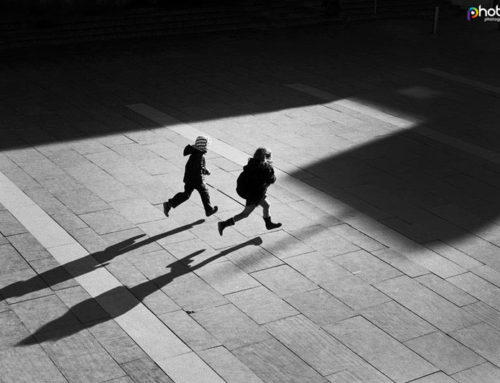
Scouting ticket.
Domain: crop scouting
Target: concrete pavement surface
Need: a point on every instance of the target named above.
(386, 145)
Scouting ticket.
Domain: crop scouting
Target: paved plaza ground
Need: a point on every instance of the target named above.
(386, 143)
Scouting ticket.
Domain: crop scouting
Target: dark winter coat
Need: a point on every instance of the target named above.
(255, 179)
(195, 166)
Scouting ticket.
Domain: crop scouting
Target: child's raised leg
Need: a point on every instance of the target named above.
(177, 199)
(265, 208)
(245, 213)
(238, 217)
(267, 219)
(205, 199)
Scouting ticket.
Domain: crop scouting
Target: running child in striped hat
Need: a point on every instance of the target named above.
(194, 178)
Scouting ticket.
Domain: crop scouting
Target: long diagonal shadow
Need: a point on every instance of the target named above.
(84, 265)
(120, 300)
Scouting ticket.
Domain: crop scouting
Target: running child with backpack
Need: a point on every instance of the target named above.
(252, 186)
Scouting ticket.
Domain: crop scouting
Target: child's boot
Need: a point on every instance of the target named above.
(223, 224)
(211, 212)
(271, 225)
(166, 207)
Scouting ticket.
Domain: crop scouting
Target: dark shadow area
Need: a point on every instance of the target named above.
(121, 299)
(84, 265)
(421, 188)
(58, 97)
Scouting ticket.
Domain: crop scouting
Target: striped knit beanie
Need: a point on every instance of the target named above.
(201, 143)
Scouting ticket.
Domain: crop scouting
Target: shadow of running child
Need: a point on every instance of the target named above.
(120, 300)
(83, 265)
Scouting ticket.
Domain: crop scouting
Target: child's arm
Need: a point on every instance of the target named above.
(271, 178)
(204, 170)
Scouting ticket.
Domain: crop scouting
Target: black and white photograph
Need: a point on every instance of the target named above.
(249, 191)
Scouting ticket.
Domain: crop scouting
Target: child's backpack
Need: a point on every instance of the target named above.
(242, 184)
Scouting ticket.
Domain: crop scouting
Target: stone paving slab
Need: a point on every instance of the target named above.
(273, 362)
(444, 352)
(69, 221)
(191, 293)
(226, 278)
(143, 370)
(476, 286)
(427, 304)
(116, 342)
(124, 379)
(486, 313)
(228, 366)
(13, 330)
(137, 210)
(397, 321)
(453, 255)
(112, 190)
(190, 368)
(400, 262)
(358, 238)
(313, 345)
(106, 221)
(321, 239)
(28, 247)
(261, 305)
(80, 358)
(366, 266)
(9, 225)
(10, 259)
(209, 235)
(89, 239)
(488, 273)
(361, 373)
(320, 307)
(355, 292)
(284, 281)
(486, 373)
(23, 364)
(318, 267)
(155, 191)
(158, 302)
(380, 350)
(23, 180)
(481, 338)
(314, 213)
(81, 201)
(167, 231)
(60, 184)
(250, 259)
(187, 329)
(230, 326)
(479, 249)
(446, 290)
(284, 245)
(437, 377)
